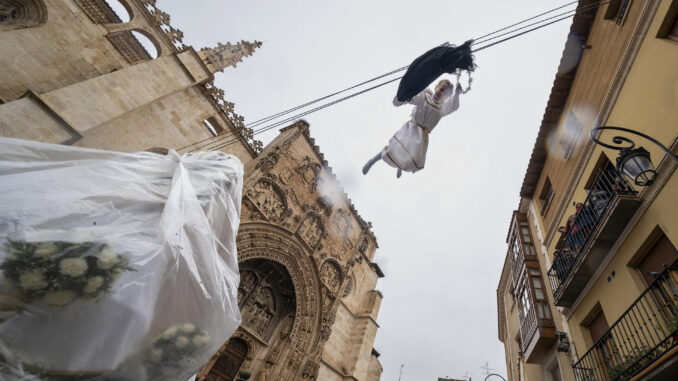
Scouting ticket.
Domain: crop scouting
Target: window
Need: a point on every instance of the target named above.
(661, 254)
(213, 126)
(669, 27)
(598, 327)
(546, 196)
(570, 135)
(541, 303)
(616, 10)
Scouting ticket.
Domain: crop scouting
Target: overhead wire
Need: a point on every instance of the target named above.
(218, 143)
(290, 110)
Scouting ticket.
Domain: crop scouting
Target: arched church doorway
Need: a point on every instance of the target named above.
(228, 365)
(267, 302)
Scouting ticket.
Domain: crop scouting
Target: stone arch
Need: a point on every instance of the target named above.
(273, 243)
(18, 14)
(118, 6)
(147, 41)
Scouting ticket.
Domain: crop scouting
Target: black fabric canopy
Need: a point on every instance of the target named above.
(430, 65)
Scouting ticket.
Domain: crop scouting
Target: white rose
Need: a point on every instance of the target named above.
(107, 259)
(156, 355)
(12, 254)
(93, 284)
(33, 280)
(73, 267)
(200, 341)
(46, 250)
(59, 298)
(188, 328)
(182, 342)
(169, 332)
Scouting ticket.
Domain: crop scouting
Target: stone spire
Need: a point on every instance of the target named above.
(223, 56)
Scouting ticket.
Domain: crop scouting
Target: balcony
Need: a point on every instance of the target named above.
(643, 342)
(537, 337)
(596, 227)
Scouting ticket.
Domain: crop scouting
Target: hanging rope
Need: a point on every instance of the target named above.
(220, 143)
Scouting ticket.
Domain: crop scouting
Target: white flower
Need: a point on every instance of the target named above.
(12, 254)
(169, 332)
(200, 341)
(73, 267)
(182, 342)
(59, 298)
(188, 328)
(93, 284)
(33, 280)
(156, 355)
(46, 250)
(107, 259)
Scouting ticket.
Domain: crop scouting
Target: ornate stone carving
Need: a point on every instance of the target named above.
(249, 212)
(330, 274)
(363, 246)
(348, 287)
(267, 163)
(309, 171)
(311, 231)
(270, 200)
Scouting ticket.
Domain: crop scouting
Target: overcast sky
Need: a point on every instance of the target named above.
(442, 230)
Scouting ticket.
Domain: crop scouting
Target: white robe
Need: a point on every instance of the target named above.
(407, 148)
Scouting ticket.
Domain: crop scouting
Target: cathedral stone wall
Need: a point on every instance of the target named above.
(67, 49)
(74, 75)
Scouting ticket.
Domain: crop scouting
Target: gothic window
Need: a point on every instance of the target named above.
(213, 126)
(135, 45)
(16, 14)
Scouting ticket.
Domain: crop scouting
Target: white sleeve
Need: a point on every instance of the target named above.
(451, 105)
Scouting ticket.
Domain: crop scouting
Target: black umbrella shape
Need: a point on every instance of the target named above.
(431, 65)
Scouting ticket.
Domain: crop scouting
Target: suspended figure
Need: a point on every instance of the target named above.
(406, 150)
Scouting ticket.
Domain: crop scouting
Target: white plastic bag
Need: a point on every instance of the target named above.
(115, 266)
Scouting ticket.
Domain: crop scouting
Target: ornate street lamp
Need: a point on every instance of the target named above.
(633, 162)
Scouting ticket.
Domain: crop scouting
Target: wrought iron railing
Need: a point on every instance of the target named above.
(606, 186)
(646, 331)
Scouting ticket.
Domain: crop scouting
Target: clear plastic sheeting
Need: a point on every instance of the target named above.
(115, 266)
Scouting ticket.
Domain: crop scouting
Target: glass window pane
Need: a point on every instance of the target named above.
(540, 294)
(536, 282)
(547, 311)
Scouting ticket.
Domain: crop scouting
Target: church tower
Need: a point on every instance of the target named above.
(223, 56)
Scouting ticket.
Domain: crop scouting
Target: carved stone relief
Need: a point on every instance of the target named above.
(269, 199)
(330, 274)
(311, 230)
(309, 171)
(341, 223)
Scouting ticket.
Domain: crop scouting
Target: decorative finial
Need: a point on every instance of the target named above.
(225, 55)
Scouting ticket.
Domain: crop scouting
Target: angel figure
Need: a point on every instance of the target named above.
(406, 150)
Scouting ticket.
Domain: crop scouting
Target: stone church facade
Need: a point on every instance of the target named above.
(76, 72)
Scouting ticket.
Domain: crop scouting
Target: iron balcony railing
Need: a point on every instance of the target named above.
(607, 185)
(646, 331)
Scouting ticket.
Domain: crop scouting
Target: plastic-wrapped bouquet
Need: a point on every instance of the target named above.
(57, 273)
(109, 251)
(177, 345)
